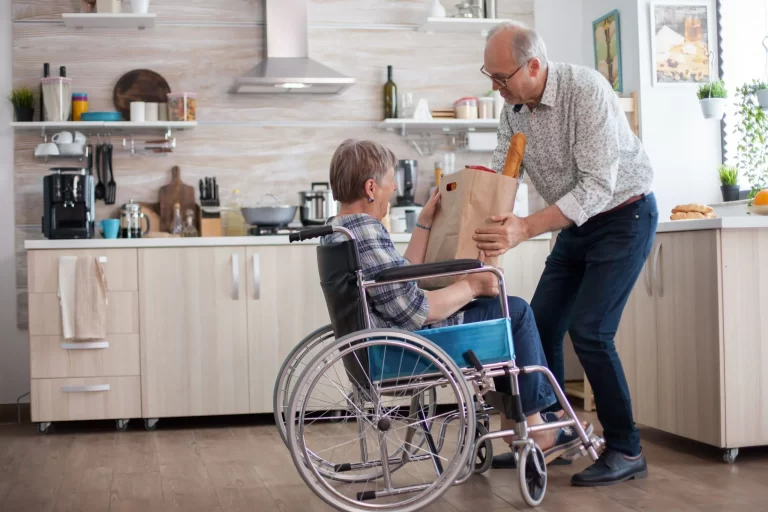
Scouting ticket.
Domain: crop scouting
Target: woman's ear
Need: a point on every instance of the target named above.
(370, 188)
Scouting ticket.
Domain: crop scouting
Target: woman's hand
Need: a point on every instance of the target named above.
(483, 284)
(427, 214)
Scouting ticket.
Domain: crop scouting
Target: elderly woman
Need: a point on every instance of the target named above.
(363, 181)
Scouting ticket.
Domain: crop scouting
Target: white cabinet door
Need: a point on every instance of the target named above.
(523, 267)
(194, 350)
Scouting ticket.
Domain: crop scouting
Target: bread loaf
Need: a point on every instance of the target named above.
(698, 208)
(692, 216)
(515, 155)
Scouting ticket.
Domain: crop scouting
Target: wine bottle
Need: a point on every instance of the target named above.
(390, 96)
(46, 74)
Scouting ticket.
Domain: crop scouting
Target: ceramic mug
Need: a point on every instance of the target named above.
(63, 138)
(150, 112)
(110, 227)
(137, 111)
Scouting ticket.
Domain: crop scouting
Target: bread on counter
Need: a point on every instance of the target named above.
(692, 211)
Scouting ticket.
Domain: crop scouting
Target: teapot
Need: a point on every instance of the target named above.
(130, 220)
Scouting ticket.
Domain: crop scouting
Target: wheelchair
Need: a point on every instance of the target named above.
(387, 419)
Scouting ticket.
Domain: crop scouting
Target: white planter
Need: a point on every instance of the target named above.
(713, 108)
(140, 6)
(762, 98)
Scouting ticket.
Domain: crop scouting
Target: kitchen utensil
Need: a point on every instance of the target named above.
(111, 186)
(139, 85)
(63, 138)
(101, 190)
(406, 176)
(73, 149)
(174, 192)
(317, 205)
(273, 215)
(110, 228)
(47, 149)
(150, 211)
(131, 221)
(102, 116)
(57, 98)
(138, 111)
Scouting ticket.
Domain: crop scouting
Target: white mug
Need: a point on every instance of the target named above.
(162, 111)
(63, 138)
(137, 111)
(150, 112)
(79, 138)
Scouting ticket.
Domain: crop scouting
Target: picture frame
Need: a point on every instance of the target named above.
(683, 33)
(606, 40)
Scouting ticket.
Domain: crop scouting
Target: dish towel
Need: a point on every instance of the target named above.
(83, 298)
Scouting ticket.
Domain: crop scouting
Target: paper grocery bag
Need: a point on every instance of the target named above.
(468, 198)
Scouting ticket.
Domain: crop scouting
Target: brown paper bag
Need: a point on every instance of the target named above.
(468, 198)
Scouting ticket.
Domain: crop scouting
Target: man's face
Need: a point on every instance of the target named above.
(514, 81)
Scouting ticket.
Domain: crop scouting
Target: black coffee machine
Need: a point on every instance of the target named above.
(68, 204)
(406, 176)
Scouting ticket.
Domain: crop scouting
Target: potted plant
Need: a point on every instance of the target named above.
(752, 150)
(729, 182)
(712, 98)
(761, 91)
(23, 101)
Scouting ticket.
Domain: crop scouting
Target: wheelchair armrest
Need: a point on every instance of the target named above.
(425, 270)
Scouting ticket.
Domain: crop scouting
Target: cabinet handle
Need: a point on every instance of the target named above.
(648, 282)
(88, 345)
(657, 272)
(85, 389)
(256, 277)
(235, 278)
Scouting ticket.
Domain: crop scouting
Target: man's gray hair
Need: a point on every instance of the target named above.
(526, 42)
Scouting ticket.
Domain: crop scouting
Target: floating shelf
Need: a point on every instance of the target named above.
(109, 20)
(107, 127)
(476, 25)
(440, 125)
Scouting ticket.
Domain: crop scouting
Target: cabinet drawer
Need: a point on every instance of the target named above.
(121, 268)
(95, 398)
(53, 357)
(45, 314)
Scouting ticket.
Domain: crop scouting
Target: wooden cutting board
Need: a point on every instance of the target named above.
(175, 192)
(150, 210)
(139, 85)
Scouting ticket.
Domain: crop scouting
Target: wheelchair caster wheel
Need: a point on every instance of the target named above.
(484, 457)
(532, 471)
(729, 456)
(150, 424)
(42, 428)
(121, 425)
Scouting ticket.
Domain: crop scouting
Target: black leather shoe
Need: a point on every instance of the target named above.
(611, 468)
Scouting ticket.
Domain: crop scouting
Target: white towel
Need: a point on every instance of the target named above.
(67, 278)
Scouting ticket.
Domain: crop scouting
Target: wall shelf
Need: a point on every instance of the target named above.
(106, 126)
(467, 25)
(109, 20)
(445, 126)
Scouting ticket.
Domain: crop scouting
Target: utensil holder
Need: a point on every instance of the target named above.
(210, 224)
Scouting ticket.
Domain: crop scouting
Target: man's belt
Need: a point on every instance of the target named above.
(628, 202)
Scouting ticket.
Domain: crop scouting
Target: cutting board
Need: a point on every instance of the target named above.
(175, 192)
(139, 85)
(150, 210)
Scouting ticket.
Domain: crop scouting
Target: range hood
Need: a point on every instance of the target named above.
(287, 67)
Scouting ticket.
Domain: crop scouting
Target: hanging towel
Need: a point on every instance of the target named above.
(90, 299)
(67, 278)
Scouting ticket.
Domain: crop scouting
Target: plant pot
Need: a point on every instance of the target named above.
(730, 192)
(24, 114)
(762, 98)
(713, 108)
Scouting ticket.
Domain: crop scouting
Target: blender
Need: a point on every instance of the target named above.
(404, 213)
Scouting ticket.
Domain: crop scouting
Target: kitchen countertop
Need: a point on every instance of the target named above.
(121, 243)
(728, 222)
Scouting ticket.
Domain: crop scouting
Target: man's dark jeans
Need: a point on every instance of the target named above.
(585, 285)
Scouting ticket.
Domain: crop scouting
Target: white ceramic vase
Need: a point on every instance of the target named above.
(713, 108)
(762, 98)
(140, 6)
(436, 10)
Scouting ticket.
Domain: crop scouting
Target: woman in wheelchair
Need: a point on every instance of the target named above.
(362, 177)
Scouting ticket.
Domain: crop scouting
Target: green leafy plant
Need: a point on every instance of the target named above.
(752, 151)
(22, 97)
(729, 175)
(712, 90)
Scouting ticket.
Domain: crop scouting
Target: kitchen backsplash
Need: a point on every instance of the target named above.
(258, 144)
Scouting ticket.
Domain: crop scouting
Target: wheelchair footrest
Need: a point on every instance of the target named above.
(508, 405)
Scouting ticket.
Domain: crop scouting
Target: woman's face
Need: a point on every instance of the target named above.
(383, 193)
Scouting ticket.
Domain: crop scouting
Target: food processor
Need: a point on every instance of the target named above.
(404, 213)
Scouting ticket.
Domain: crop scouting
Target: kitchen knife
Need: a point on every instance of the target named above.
(215, 190)
(202, 193)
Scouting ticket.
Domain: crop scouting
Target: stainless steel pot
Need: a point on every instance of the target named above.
(269, 216)
(317, 205)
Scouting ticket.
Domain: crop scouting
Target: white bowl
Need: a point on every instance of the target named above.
(759, 210)
(73, 149)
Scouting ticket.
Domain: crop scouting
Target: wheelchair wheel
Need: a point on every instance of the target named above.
(385, 476)
(484, 457)
(532, 471)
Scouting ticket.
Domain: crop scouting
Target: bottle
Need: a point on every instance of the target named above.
(62, 71)
(189, 228)
(46, 74)
(390, 96)
(234, 224)
(438, 172)
(176, 226)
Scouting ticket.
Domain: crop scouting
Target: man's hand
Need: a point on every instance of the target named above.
(496, 240)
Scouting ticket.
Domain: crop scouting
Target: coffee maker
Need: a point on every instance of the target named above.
(68, 204)
(404, 213)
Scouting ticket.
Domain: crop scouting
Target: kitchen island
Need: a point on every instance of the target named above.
(196, 326)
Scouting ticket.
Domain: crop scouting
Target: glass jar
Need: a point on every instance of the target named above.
(466, 108)
(79, 105)
(189, 228)
(182, 106)
(485, 107)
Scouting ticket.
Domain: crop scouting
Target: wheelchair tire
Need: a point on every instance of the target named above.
(444, 468)
(484, 457)
(532, 470)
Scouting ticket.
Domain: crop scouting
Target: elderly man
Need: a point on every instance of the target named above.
(590, 168)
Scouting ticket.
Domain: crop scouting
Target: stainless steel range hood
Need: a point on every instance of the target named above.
(287, 67)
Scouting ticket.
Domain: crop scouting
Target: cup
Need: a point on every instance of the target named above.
(151, 111)
(63, 138)
(110, 227)
(78, 138)
(137, 111)
(162, 111)
(47, 149)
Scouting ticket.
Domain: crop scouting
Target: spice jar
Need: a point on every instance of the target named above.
(79, 105)
(466, 108)
(182, 106)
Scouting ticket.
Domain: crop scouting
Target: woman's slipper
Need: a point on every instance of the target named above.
(567, 441)
(507, 460)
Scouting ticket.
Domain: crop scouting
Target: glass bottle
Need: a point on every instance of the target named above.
(176, 225)
(234, 223)
(390, 96)
(189, 229)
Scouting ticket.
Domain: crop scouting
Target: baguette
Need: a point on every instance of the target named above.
(698, 208)
(687, 216)
(515, 155)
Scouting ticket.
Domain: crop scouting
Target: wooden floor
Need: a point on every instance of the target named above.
(240, 464)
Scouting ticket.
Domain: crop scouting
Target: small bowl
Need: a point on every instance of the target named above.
(759, 210)
(73, 149)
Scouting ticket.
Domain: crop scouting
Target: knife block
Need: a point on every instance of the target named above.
(210, 223)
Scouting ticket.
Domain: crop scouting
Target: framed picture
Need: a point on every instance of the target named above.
(607, 39)
(681, 39)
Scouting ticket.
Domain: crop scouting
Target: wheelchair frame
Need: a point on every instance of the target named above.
(531, 464)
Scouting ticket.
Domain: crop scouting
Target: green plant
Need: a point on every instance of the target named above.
(752, 151)
(22, 97)
(729, 175)
(712, 90)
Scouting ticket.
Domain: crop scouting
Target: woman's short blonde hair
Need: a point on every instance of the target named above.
(354, 162)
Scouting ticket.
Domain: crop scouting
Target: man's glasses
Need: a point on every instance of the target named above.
(501, 81)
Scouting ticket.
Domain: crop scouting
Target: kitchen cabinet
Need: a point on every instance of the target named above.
(194, 341)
